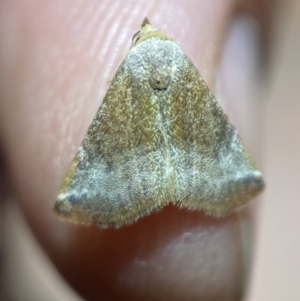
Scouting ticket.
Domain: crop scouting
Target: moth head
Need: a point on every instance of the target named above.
(147, 32)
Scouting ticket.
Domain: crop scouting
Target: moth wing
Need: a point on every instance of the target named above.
(112, 178)
(213, 170)
(149, 146)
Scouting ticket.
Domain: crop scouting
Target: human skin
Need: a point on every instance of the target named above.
(57, 59)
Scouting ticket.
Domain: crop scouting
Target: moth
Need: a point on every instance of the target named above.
(159, 137)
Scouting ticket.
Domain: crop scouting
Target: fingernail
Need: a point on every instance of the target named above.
(240, 80)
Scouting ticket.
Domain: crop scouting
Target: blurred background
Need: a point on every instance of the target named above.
(277, 265)
(276, 272)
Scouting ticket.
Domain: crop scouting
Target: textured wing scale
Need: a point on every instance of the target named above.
(158, 137)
